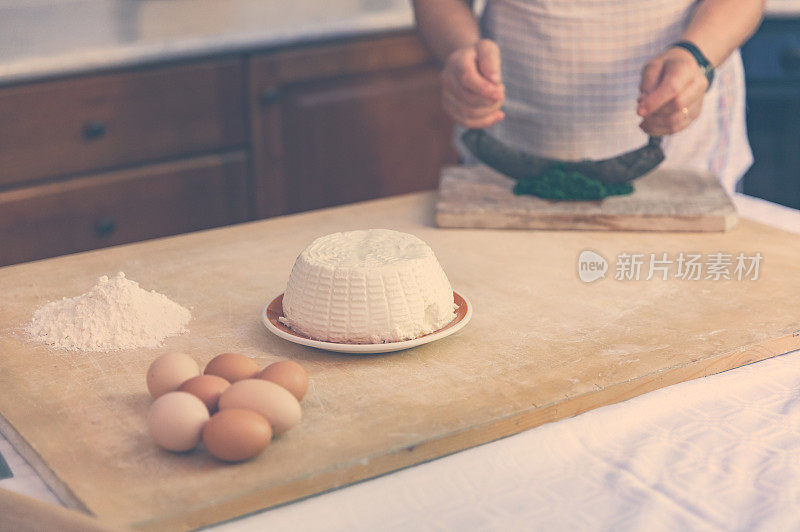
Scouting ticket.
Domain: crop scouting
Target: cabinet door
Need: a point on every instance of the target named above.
(119, 207)
(364, 137)
(345, 122)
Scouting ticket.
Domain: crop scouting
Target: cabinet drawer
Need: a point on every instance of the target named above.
(125, 206)
(98, 122)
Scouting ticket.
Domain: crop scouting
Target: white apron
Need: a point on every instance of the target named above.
(572, 70)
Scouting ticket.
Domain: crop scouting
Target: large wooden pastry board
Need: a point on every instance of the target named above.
(542, 345)
(664, 200)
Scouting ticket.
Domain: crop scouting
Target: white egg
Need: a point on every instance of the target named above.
(169, 371)
(176, 421)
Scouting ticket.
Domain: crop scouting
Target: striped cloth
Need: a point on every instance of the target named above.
(572, 70)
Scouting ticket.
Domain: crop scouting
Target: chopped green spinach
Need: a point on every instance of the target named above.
(556, 183)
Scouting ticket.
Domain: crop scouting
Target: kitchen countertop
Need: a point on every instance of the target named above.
(651, 459)
(50, 38)
(782, 8)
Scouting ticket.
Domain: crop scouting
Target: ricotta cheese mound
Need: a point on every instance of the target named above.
(370, 286)
(114, 314)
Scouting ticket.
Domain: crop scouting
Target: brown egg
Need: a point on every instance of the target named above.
(207, 388)
(176, 420)
(288, 374)
(232, 367)
(169, 371)
(236, 434)
(273, 402)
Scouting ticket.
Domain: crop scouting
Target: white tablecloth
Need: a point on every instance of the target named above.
(717, 453)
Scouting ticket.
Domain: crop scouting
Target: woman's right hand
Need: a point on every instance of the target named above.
(472, 89)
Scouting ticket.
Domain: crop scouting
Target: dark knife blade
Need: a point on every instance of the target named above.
(5, 470)
(518, 164)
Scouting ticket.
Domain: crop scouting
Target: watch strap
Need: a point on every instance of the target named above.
(702, 60)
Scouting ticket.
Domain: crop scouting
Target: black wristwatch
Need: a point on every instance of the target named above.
(702, 60)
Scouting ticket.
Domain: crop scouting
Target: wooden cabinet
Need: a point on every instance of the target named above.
(124, 206)
(359, 121)
(97, 122)
(110, 158)
(363, 137)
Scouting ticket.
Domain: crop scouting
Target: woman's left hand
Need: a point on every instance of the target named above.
(672, 91)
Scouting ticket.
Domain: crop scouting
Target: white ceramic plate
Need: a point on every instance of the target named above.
(272, 312)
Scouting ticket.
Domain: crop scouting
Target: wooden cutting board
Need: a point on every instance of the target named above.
(542, 345)
(664, 200)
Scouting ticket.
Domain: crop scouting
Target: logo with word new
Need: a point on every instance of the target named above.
(591, 266)
(685, 266)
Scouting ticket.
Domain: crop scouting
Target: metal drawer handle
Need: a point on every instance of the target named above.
(94, 130)
(105, 227)
(790, 60)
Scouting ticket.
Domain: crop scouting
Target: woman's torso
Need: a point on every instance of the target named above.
(572, 70)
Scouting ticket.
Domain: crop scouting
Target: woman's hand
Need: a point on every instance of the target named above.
(672, 91)
(472, 91)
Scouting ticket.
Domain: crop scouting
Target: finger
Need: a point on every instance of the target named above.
(480, 112)
(665, 125)
(469, 111)
(476, 123)
(687, 98)
(457, 114)
(674, 79)
(656, 127)
(468, 76)
(488, 56)
(674, 122)
(484, 123)
(467, 96)
(651, 73)
(668, 124)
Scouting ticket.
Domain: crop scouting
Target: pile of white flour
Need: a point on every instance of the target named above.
(115, 314)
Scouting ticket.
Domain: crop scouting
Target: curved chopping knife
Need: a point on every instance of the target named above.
(519, 164)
